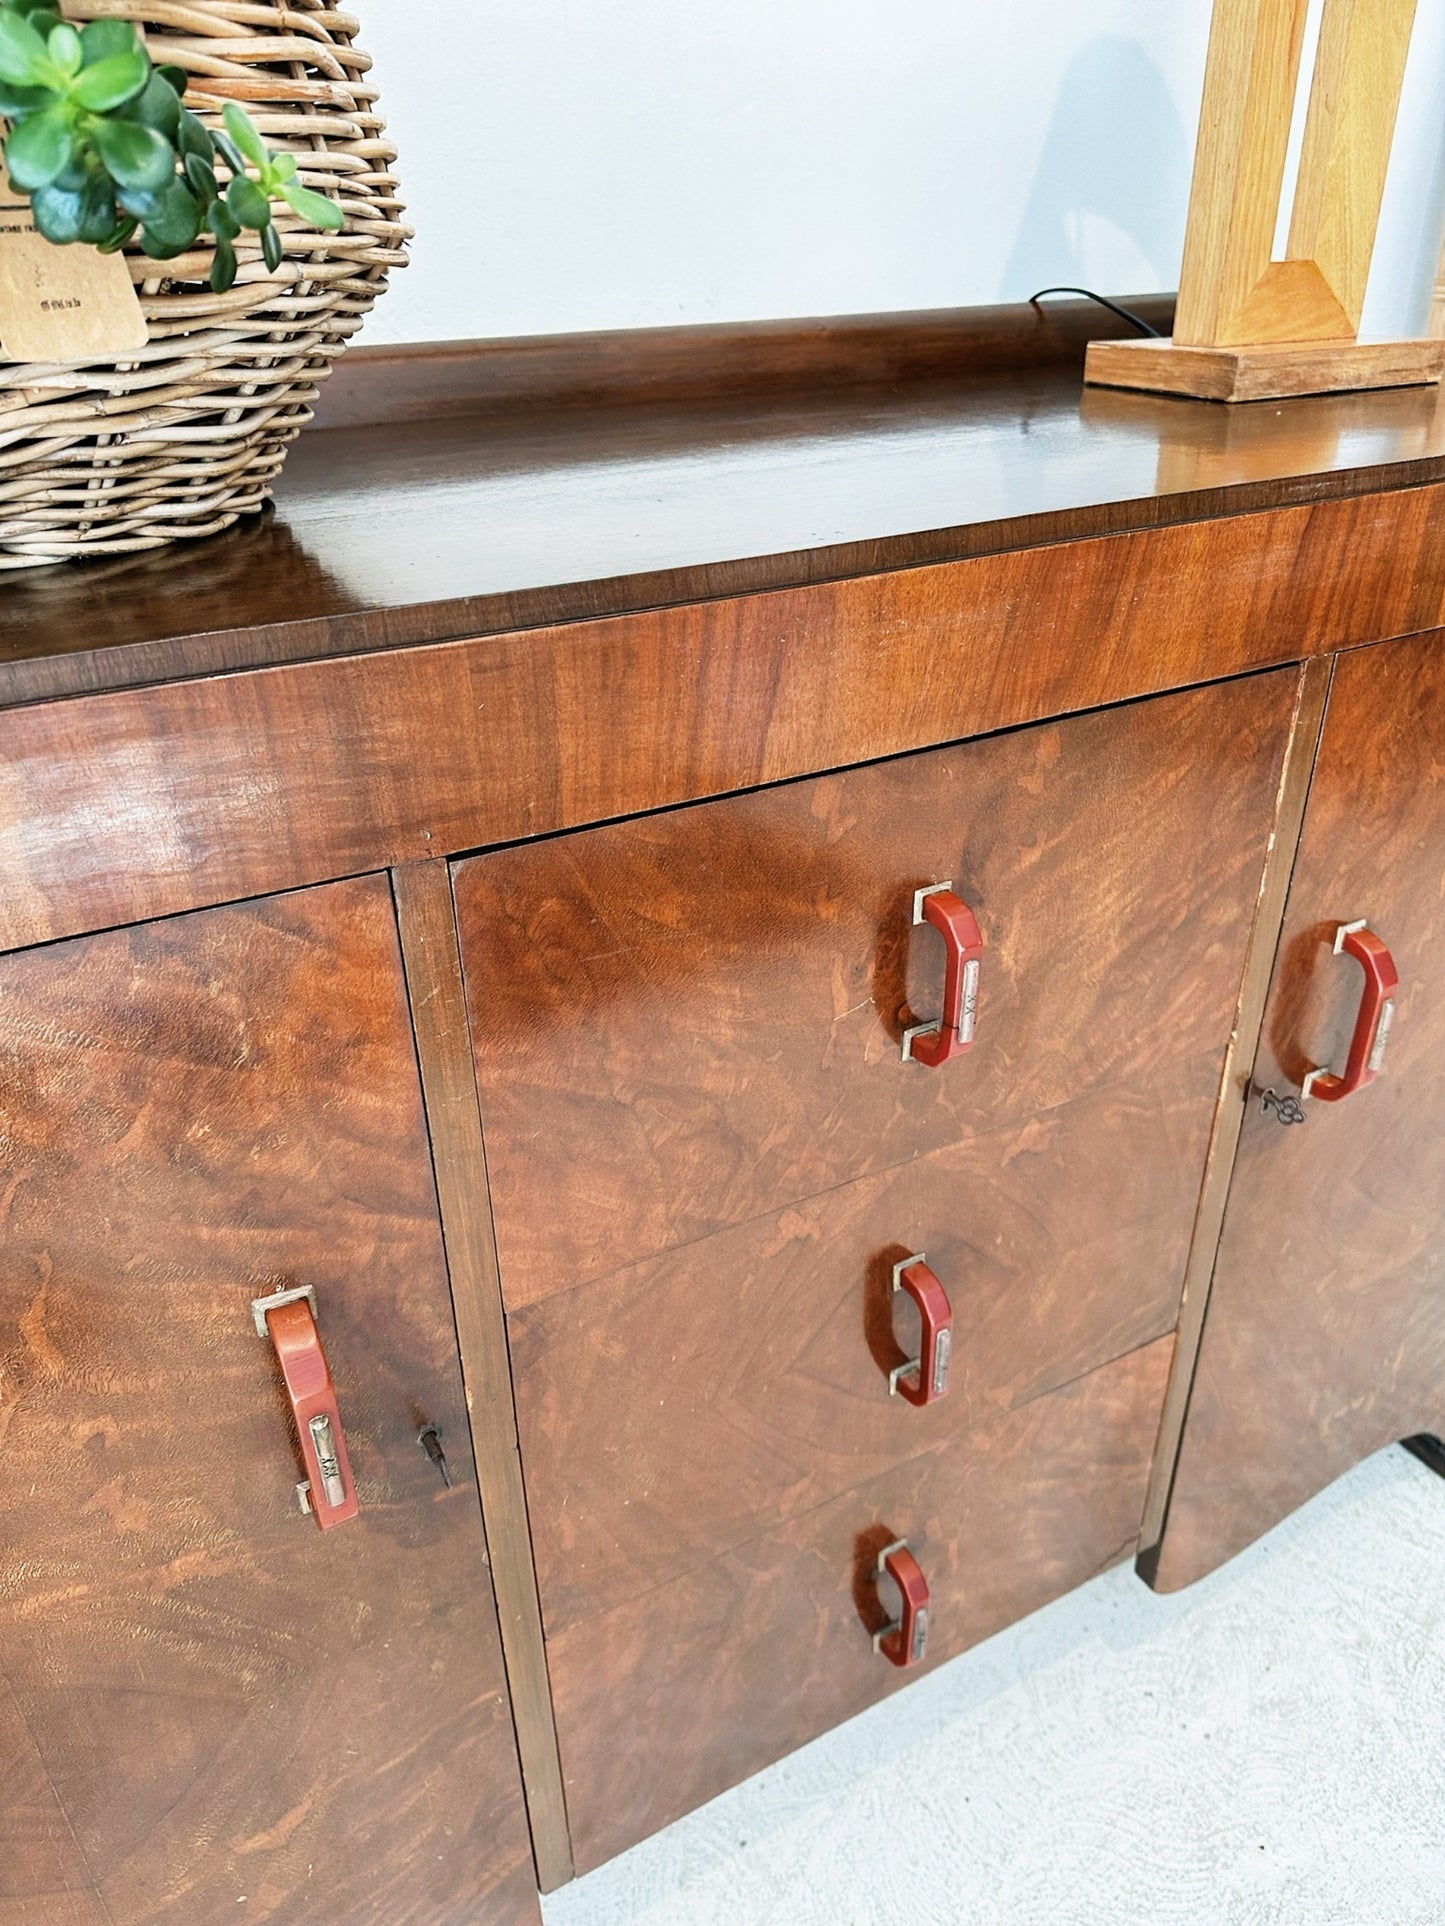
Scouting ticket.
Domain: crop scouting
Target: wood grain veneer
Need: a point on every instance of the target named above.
(666, 1701)
(1325, 1338)
(205, 1697)
(687, 1021)
(417, 532)
(674, 1410)
(144, 802)
(442, 379)
(434, 980)
(1234, 1085)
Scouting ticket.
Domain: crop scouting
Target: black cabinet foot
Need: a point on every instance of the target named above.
(1429, 1450)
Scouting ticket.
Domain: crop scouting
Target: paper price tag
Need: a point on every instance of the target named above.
(61, 303)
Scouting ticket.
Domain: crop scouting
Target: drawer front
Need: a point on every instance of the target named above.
(689, 1688)
(677, 1408)
(206, 1696)
(687, 1021)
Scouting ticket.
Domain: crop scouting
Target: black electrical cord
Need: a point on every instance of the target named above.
(1124, 314)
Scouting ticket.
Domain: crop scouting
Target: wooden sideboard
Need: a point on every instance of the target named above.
(468, 944)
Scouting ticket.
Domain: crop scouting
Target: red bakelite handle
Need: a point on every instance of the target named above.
(313, 1404)
(924, 1379)
(933, 1044)
(1372, 1020)
(905, 1642)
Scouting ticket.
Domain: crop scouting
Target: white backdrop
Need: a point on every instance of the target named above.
(580, 164)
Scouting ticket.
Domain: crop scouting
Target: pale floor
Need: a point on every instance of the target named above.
(1267, 1747)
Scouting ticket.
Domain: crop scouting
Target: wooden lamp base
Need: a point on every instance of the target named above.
(1263, 371)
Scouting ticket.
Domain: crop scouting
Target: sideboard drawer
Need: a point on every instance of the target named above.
(686, 1689)
(689, 1020)
(675, 1409)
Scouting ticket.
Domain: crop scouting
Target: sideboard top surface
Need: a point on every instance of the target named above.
(424, 530)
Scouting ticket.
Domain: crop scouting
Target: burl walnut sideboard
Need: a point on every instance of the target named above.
(667, 1052)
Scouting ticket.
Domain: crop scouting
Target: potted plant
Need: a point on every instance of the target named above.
(257, 236)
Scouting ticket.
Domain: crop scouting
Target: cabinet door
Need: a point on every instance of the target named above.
(1325, 1333)
(210, 1709)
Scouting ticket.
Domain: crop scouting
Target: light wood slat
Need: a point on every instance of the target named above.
(1231, 293)
(1349, 131)
(1250, 81)
(1265, 372)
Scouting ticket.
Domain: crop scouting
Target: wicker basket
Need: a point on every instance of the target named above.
(109, 457)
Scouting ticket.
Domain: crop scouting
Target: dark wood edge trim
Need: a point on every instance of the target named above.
(432, 956)
(423, 381)
(25, 681)
(1234, 1090)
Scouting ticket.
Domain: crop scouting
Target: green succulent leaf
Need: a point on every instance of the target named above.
(248, 203)
(313, 207)
(63, 46)
(175, 219)
(120, 234)
(40, 149)
(135, 156)
(223, 268)
(96, 135)
(242, 130)
(193, 138)
(23, 57)
(201, 178)
(229, 152)
(221, 221)
(97, 210)
(83, 167)
(156, 106)
(107, 40)
(17, 102)
(142, 202)
(110, 83)
(158, 247)
(58, 213)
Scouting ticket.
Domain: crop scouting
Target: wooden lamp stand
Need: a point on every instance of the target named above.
(1248, 327)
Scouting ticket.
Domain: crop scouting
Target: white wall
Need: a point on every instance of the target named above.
(580, 164)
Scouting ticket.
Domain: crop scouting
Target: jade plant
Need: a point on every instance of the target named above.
(104, 147)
